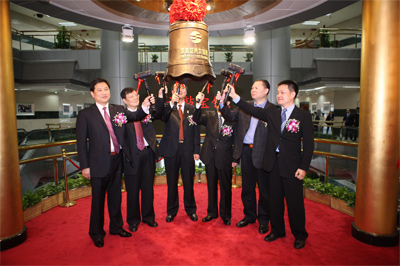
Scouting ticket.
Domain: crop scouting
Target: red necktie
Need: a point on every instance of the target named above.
(139, 135)
(181, 125)
(111, 130)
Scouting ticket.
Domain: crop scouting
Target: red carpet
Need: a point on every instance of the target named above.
(60, 237)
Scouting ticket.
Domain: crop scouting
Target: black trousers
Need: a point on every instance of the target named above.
(291, 189)
(111, 183)
(172, 166)
(225, 182)
(250, 177)
(139, 187)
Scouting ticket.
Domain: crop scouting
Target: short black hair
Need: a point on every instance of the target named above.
(265, 82)
(125, 91)
(292, 86)
(96, 81)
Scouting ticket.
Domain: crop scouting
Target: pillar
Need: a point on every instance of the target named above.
(12, 229)
(271, 53)
(377, 175)
(119, 63)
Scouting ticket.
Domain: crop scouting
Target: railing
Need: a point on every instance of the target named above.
(54, 157)
(322, 38)
(51, 39)
(338, 129)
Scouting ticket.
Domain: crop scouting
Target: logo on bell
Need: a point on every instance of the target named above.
(195, 37)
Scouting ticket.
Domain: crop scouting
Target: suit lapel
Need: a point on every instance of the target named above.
(97, 115)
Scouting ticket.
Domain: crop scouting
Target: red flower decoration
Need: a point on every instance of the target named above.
(189, 10)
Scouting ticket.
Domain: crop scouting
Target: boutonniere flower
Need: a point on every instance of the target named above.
(191, 121)
(293, 125)
(226, 130)
(265, 123)
(120, 119)
(147, 119)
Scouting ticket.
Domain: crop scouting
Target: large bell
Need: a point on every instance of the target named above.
(189, 54)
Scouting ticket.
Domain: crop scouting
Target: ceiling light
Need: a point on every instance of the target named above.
(210, 5)
(249, 35)
(67, 24)
(311, 23)
(168, 4)
(127, 33)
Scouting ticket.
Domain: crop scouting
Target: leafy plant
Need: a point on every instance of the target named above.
(30, 199)
(324, 38)
(248, 56)
(62, 39)
(229, 56)
(200, 170)
(154, 57)
(160, 171)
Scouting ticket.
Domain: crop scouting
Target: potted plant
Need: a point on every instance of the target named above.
(32, 205)
(248, 56)
(324, 39)
(154, 58)
(228, 56)
(62, 40)
(317, 191)
(51, 196)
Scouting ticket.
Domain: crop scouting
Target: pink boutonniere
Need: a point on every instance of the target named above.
(265, 123)
(120, 119)
(147, 119)
(226, 130)
(191, 121)
(293, 125)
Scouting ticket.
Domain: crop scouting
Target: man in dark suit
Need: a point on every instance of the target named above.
(104, 125)
(356, 123)
(216, 154)
(249, 147)
(348, 124)
(284, 160)
(139, 171)
(180, 146)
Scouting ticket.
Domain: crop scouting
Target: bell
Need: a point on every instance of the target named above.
(189, 54)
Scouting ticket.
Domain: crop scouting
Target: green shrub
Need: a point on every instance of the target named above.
(30, 199)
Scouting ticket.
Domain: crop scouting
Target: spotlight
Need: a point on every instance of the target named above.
(249, 35)
(168, 4)
(127, 33)
(210, 5)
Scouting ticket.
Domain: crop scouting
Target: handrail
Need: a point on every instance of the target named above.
(70, 142)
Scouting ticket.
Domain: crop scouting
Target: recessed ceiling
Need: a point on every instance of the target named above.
(150, 18)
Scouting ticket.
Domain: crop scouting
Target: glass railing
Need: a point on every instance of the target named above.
(331, 37)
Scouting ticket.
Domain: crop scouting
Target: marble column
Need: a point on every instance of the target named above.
(119, 63)
(12, 229)
(272, 58)
(377, 175)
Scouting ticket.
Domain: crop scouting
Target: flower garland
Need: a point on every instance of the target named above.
(191, 121)
(147, 119)
(293, 125)
(120, 119)
(226, 130)
(187, 10)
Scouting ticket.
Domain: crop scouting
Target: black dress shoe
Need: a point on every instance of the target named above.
(298, 243)
(193, 217)
(263, 229)
(133, 227)
(123, 233)
(170, 218)
(98, 242)
(243, 223)
(208, 218)
(271, 237)
(151, 223)
(227, 221)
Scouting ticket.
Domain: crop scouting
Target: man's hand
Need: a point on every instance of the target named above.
(86, 173)
(300, 174)
(160, 92)
(234, 164)
(146, 103)
(196, 157)
(175, 98)
(218, 97)
(233, 92)
(152, 99)
(199, 97)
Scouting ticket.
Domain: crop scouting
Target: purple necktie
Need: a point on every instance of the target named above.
(139, 136)
(111, 130)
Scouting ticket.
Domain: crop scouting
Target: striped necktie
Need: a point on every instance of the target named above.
(111, 130)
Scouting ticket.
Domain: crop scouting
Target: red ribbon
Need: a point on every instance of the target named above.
(73, 163)
(158, 79)
(138, 86)
(208, 87)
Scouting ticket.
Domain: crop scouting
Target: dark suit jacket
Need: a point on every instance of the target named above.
(90, 125)
(349, 120)
(215, 144)
(149, 134)
(290, 155)
(260, 135)
(169, 142)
